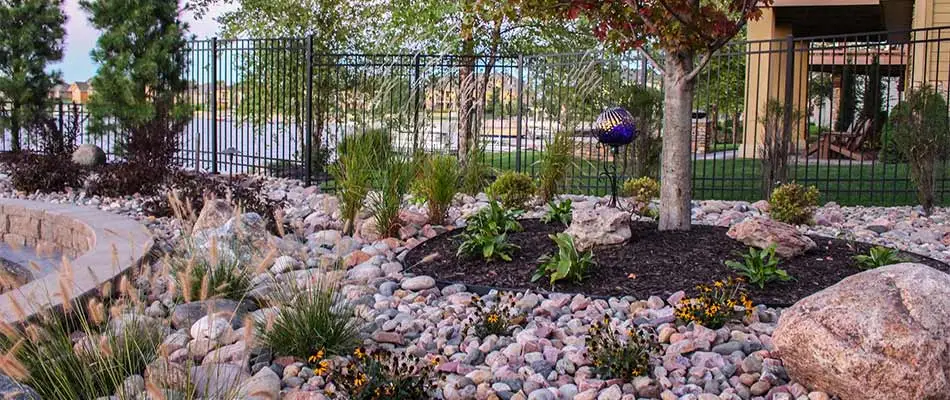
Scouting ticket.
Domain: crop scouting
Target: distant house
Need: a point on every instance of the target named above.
(200, 96)
(58, 91)
(79, 92)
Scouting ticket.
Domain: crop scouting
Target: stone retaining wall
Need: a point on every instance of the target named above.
(101, 246)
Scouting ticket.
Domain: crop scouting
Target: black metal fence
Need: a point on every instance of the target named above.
(271, 106)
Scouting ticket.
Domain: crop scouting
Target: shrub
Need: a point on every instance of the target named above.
(496, 319)
(642, 190)
(760, 267)
(921, 132)
(46, 355)
(554, 164)
(792, 203)
(437, 183)
(353, 175)
(476, 173)
(878, 256)
(380, 375)
(716, 304)
(393, 180)
(310, 319)
(559, 212)
(514, 189)
(32, 173)
(567, 263)
(620, 353)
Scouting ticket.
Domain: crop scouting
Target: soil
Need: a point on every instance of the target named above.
(650, 263)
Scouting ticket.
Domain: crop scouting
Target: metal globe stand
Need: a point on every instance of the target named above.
(614, 128)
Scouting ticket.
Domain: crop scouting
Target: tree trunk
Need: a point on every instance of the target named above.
(467, 86)
(15, 128)
(675, 191)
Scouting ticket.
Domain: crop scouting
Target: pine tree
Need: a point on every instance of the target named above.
(138, 87)
(31, 38)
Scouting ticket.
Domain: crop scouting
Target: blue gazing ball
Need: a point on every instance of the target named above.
(615, 127)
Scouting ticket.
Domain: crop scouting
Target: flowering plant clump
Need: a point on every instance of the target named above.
(376, 375)
(717, 304)
(496, 319)
(620, 354)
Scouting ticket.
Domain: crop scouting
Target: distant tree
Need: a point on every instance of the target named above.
(140, 78)
(31, 38)
(689, 32)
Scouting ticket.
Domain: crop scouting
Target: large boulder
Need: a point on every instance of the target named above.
(13, 275)
(763, 232)
(880, 334)
(214, 214)
(89, 155)
(13, 390)
(599, 226)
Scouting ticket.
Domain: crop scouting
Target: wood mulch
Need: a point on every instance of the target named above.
(650, 263)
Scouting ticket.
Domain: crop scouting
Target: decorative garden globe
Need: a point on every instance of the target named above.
(615, 127)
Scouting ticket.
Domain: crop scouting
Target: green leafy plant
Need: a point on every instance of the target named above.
(437, 183)
(642, 190)
(878, 256)
(559, 212)
(567, 263)
(921, 132)
(513, 189)
(496, 319)
(353, 175)
(792, 203)
(486, 233)
(393, 180)
(310, 319)
(716, 304)
(760, 267)
(554, 164)
(381, 375)
(618, 353)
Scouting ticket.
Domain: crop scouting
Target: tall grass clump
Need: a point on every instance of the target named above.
(310, 320)
(476, 173)
(353, 175)
(44, 355)
(200, 278)
(921, 132)
(438, 184)
(393, 180)
(554, 164)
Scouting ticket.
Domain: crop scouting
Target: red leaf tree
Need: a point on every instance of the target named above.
(688, 32)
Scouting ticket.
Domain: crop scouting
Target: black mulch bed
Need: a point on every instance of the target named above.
(651, 263)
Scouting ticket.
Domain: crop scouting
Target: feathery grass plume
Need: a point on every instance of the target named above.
(11, 366)
(279, 222)
(105, 290)
(9, 332)
(153, 391)
(205, 290)
(66, 294)
(115, 256)
(97, 312)
(266, 262)
(34, 266)
(199, 275)
(213, 251)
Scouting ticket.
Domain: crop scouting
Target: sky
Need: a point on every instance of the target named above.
(81, 37)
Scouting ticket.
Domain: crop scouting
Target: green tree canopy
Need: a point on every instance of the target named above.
(31, 38)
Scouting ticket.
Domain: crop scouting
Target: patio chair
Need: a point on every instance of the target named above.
(845, 144)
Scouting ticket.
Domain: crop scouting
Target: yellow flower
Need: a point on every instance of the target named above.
(359, 353)
(718, 284)
(492, 318)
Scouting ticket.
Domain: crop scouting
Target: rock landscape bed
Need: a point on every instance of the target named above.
(544, 357)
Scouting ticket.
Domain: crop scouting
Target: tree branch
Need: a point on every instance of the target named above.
(699, 67)
(646, 54)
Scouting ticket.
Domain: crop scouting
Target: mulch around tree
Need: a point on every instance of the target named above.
(650, 263)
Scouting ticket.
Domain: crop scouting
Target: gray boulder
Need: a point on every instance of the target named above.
(13, 390)
(89, 155)
(599, 226)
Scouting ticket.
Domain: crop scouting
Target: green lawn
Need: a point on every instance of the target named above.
(857, 184)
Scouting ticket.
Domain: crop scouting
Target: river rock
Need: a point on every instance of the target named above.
(763, 232)
(89, 155)
(13, 390)
(214, 214)
(880, 334)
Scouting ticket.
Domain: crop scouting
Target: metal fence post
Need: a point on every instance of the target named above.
(214, 106)
(789, 96)
(308, 125)
(519, 131)
(415, 101)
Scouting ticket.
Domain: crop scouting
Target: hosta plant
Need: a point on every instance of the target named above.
(494, 218)
(718, 303)
(566, 263)
(760, 267)
(558, 212)
(878, 256)
(489, 245)
(620, 353)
